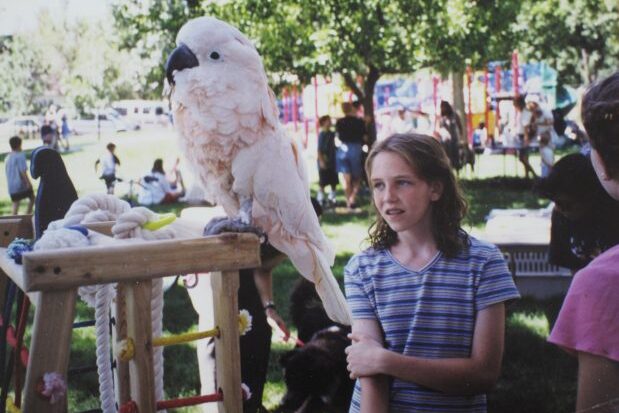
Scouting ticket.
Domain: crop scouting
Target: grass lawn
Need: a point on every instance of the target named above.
(537, 377)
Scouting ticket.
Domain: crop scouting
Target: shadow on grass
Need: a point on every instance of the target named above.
(483, 195)
(537, 376)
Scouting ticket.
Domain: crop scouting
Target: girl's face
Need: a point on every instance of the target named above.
(402, 198)
(610, 185)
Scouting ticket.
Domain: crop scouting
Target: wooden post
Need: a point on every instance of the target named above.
(122, 385)
(139, 329)
(227, 348)
(50, 347)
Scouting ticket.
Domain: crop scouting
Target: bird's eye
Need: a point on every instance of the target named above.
(214, 55)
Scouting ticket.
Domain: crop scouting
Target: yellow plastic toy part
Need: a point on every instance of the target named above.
(163, 220)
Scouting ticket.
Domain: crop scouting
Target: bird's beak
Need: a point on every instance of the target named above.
(181, 58)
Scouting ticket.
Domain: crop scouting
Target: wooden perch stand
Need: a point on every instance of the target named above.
(51, 278)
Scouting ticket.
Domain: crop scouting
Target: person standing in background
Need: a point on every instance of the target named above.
(17, 176)
(352, 134)
(327, 173)
(108, 162)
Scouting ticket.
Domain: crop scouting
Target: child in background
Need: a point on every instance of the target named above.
(480, 137)
(547, 155)
(108, 167)
(17, 176)
(427, 299)
(327, 173)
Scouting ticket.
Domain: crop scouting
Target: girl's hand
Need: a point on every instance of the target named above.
(363, 356)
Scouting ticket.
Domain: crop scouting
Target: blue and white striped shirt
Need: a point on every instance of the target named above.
(428, 313)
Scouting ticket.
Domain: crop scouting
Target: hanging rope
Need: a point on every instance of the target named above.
(140, 223)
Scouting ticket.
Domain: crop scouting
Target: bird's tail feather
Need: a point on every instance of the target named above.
(329, 291)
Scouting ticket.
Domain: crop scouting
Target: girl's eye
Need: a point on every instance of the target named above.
(215, 55)
(403, 183)
(378, 185)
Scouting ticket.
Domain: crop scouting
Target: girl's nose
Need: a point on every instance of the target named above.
(390, 193)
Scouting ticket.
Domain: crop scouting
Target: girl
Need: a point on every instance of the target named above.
(587, 325)
(156, 188)
(426, 298)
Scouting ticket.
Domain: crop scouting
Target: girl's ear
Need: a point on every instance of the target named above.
(436, 190)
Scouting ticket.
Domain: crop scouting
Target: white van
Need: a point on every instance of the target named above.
(144, 112)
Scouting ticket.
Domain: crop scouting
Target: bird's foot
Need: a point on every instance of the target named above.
(224, 224)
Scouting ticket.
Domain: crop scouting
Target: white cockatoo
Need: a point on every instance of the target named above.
(227, 120)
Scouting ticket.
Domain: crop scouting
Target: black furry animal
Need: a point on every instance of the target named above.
(315, 375)
(56, 191)
(307, 312)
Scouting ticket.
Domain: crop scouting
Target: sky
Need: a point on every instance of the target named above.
(21, 15)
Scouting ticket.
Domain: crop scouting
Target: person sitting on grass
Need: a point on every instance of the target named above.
(156, 188)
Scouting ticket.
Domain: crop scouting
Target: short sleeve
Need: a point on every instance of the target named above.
(496, 283)
(356, 295)
(589, 318)
(21, 164)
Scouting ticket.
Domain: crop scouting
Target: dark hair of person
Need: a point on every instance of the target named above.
(158, 166)
(519, 102)
(110, 146)
(428, 159)
(600, 115)
(323, 119)
(573, 176)
(15, 143)
(446, 109)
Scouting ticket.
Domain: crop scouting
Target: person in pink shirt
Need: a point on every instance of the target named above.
(588, 323)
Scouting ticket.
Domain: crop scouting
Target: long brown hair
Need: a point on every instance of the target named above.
(428, 159)
(600, 114)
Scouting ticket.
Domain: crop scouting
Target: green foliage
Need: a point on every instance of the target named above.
(460, 32)
(580, 38)
(22, 73)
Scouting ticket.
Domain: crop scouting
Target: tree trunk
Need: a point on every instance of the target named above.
(584, 67)
(457, 86)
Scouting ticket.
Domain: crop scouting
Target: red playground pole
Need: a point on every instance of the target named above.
(469, 113)
(316, 105)
(285, 105)
(497, 90)
(486, 111)
(435, 81)
(295, 106)
(515, 74)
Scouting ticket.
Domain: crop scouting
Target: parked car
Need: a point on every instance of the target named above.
(26, 127)
(106, 120)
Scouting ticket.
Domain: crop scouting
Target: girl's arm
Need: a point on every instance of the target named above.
(374, 388)
(598, 384)
(473, 375)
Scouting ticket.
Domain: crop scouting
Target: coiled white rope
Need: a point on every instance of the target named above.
(130, 223)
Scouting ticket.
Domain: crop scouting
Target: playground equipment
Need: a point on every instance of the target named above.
(50, 278)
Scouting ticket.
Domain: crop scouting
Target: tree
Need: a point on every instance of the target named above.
(580, 38)
(22, 73)
(467, 32)
(356, 38)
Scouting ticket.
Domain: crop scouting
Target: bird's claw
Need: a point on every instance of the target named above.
(224, 224)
